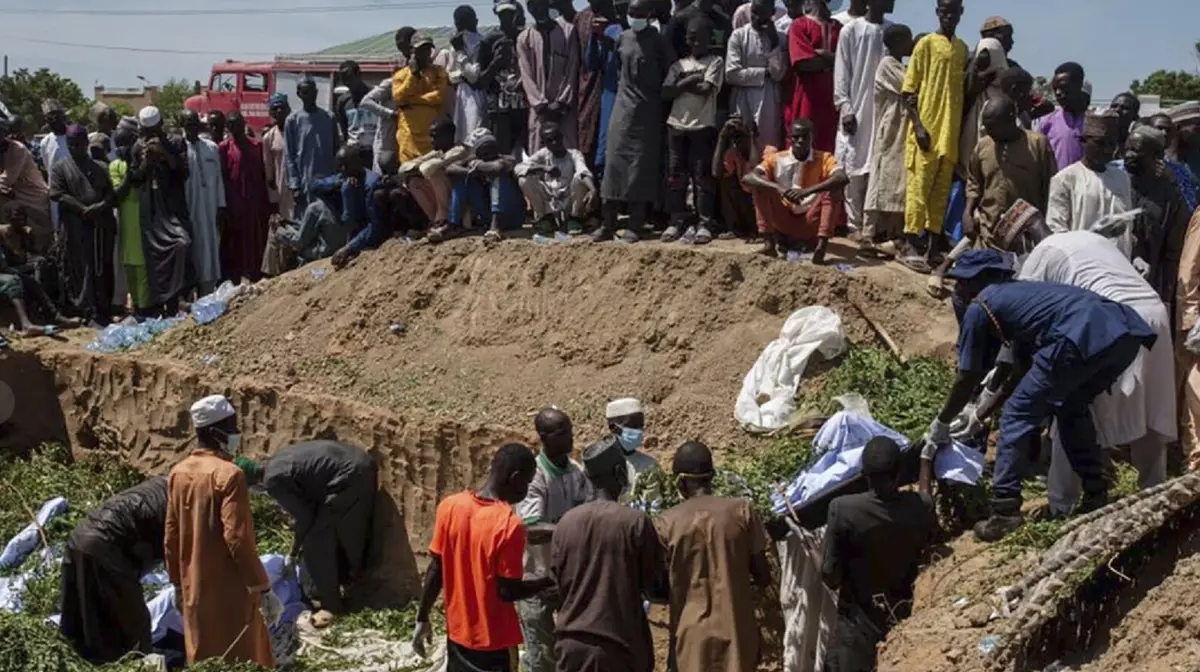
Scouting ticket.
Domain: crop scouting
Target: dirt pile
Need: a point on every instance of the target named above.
(490, 335)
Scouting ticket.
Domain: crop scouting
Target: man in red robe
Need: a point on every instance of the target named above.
(247, 206)
(812, 43)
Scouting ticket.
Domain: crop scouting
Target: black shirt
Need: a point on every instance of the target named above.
(304, 476)
(129, 528)
(873, 548)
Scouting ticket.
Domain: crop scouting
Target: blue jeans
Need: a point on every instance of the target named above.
(487, 196)
(1062, 384)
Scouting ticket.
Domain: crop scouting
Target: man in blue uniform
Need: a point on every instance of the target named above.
(1068, 345)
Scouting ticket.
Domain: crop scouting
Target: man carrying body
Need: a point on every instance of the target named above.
(933, 91)
(558, 185)
(548, 59)
(715, 547)
(1142, 417)
(1159, 230)
(692, 85)
(477, 556)
(755, 66)
(206, 202)
(604, 560)
(1068, 345)
(874, 545)
(884, 219)
(1064, 128)
(104, 610)
(418, 91)
(558, 486)
(310, 139)
(1084, 191)
(812, 49)
(328, 488)
(797, 194)
(221, 588)
(859, 53)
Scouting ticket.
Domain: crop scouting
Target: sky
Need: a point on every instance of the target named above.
(1114, 44)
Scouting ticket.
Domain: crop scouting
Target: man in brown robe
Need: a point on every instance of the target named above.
(548, 57)
(220, 584)
(714, 546)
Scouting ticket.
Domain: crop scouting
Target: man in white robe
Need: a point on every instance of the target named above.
(557, 183)
(884, 206)
(1091, 188)
(205, 190)
(468, 106)
(1142, 414)
(860, 49)
(54, 144)
(756, 64)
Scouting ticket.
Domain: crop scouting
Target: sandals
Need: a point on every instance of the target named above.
(917, 264)
(703, 236)
(670, 235)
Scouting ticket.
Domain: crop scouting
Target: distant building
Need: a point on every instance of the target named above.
(136, 98)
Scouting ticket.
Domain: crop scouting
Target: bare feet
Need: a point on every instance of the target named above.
(818, 257)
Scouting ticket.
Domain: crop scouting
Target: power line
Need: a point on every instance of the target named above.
(143, 50)
(217, 11)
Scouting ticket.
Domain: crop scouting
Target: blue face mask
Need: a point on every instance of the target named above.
(630, 439)
(554, 14)
(638, 25)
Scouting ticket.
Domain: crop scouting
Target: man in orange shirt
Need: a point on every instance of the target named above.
(482, 629)
(797, 194)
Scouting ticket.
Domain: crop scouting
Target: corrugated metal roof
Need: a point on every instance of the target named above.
(380, 47)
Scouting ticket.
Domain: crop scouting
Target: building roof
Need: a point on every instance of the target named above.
(380, 47)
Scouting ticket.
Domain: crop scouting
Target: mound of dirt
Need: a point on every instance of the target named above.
(490, 335)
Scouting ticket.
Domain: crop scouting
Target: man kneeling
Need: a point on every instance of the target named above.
(558, 185)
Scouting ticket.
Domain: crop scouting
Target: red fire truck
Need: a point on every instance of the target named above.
(245, 87)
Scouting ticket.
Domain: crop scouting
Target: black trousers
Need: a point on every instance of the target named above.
(689, 165)
(852, 648)
(461, 659)
(336, 546)
(104, 613)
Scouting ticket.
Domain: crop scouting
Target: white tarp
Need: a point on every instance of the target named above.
(777, 373)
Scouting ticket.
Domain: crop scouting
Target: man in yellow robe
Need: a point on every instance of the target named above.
(418, 90)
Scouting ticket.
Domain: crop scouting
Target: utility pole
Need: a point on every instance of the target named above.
(6, 64)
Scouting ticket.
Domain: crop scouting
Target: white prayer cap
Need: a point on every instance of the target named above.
(211, 410)
(149, 117)
(620, 408)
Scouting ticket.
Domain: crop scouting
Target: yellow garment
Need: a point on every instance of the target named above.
(1187, 365)
(418, 105)
(211, 555)
(928, 193)
(936, 73)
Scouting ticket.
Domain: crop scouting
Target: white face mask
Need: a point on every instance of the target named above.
(638, 25)
(554, 14)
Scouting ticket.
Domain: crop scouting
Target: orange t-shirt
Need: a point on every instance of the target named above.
(478, 540)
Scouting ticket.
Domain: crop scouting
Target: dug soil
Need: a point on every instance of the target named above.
(491, 335)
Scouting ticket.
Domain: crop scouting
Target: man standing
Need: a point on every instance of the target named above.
(216, 127)
(328, 488)
(857, 9)
(84, 192)
(548, 58)
(220, 584)
(633, 155)
(249, 210)
(693, 84)
(357, 125)
(875, 542)
(884, 206)
(162, 164)
(105, 119)
(1127, 107)
(22, 186)
(597, 78)
(1186, 148)
(1159, 230)
(719, 32)
(756, 64)
(812, 49)
(500, 77)
(558, 185)
(104, 611)
(859, 52)
(1183, 175)
(604, 560)
(933, 93)
(1070, 344)
(310, 139)
(418, 91)
(54, 144)
(206, 203)
(1084, 191)
(1141, 417)
(1187, 360)
(131, 254)
(1064, 128)
(1008, 165)
(714, 546)
(275, 155)
(381, 103)
(470, 105)
(626, 423)
(477, 556)
(797, 195)
(558, 486)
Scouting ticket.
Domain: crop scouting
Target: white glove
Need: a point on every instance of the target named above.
(271, 608)
(970, 429)
(929, 450)
(1141, 266)
(939, 432)
(422, 636)
(986, 397)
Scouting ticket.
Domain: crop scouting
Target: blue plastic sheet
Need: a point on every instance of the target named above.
(27, 540)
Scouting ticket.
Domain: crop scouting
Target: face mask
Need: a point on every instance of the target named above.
(232, 443)
(630, 440)
(554, 14)
(638, 25)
